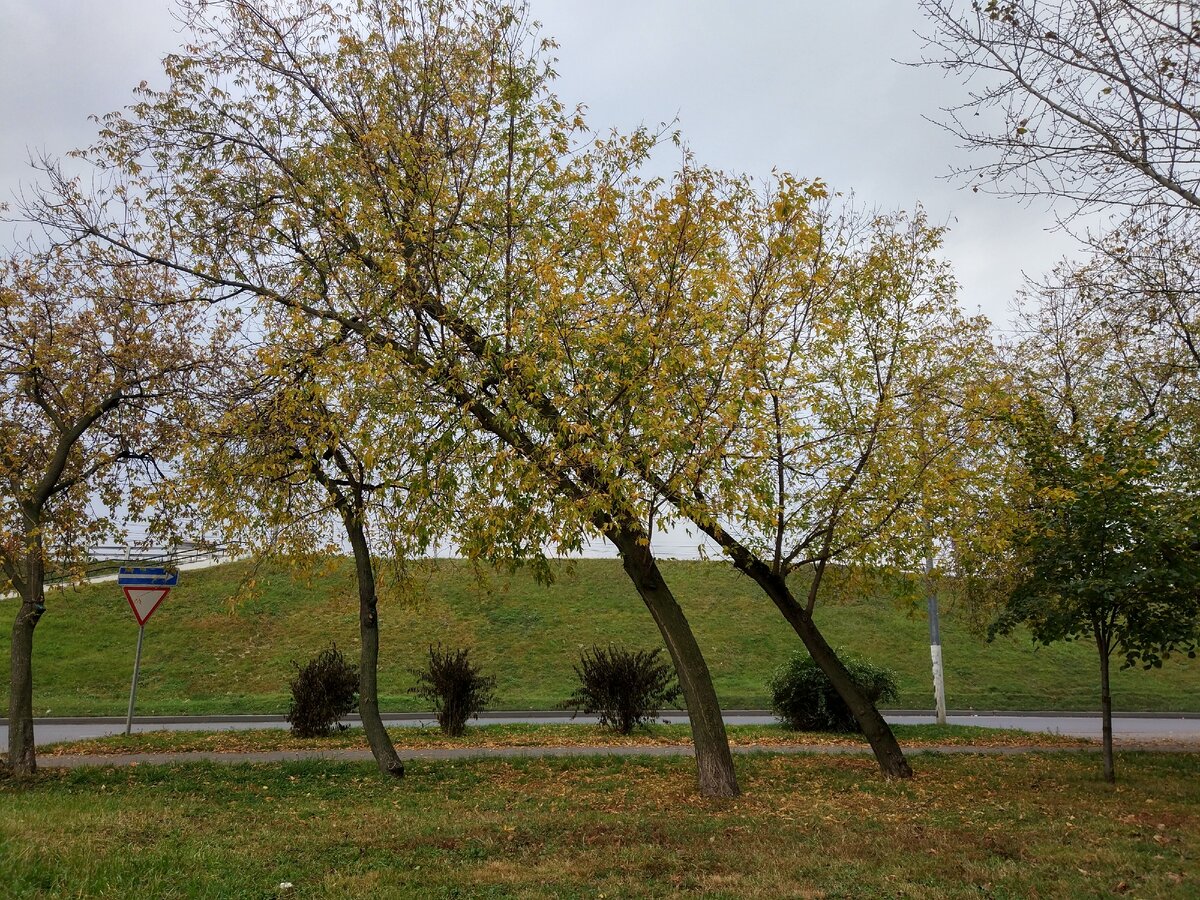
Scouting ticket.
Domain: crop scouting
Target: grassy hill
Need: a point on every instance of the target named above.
(205, 654)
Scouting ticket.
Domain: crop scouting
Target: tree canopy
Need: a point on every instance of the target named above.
(629, 349)
(99, 357)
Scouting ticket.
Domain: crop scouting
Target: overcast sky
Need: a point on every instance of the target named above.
(812, 88)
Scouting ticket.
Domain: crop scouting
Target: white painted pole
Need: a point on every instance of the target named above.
(137, 664)
(935, 644)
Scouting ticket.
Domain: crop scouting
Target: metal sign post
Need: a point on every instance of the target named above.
(935, 644)
(137, 665)
(145, 588)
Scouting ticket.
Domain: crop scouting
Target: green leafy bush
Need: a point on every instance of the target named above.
(626, 688)
(455, 687)
(323, 693)
(804, 699)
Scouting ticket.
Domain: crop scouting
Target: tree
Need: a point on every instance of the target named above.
(1107, 547)
(1100, 538)
(411, 158)
(1139, 286)
(294, 433)
(1099, 104)
(414, 159)
(96, 357)
(1096, 102)
(855, 341)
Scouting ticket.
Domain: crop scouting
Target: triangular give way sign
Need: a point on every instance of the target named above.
(144, 601)
(145, 588)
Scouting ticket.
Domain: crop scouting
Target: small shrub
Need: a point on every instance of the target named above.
(804, 699)
(457, 690)
(626, 688)
(323, 692)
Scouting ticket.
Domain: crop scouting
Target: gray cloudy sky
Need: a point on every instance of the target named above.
(808, 87)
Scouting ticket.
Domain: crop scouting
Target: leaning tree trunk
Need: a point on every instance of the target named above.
(714, 763)
(368, 668)
(22, 759)
(874, 727)
(1110, 774)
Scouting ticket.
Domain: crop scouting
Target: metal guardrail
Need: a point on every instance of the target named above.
(108, 559)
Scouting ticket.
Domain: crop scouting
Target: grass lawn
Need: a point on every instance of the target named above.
(1014, 827)
(205, 654)
(519, 735)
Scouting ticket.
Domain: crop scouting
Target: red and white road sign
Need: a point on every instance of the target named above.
(145, 600)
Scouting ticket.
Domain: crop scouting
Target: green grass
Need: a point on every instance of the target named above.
(1015, 827)
(205, 654)
(258, 740)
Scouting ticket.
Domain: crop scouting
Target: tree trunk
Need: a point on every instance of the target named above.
(368, 667)
(877, 731)
(22, 759)
(1110, 774)
(714, 763)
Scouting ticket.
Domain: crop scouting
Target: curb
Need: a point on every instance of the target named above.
(566, 715)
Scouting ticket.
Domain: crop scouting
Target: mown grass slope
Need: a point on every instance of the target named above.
(205, 653)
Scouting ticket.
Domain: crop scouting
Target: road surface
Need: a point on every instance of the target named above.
(1127, 727)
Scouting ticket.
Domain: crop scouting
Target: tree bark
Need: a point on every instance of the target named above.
(876, 730)
(1110, 774)
(714, 762)
(22, 758)
(386, 759)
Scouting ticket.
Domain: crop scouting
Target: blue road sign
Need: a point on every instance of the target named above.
(147, 576)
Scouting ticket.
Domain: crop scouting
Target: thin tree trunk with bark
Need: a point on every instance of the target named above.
(877, 731)
(22, 759)
(1102, 647)
(22, 756)
(874, 727)
(714, 762)
(386, 759)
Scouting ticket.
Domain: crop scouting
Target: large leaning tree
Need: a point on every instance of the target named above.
(97, 356)
(414, 150)
(514, 265)
(820, 428)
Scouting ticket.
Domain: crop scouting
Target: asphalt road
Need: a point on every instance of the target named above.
(1129, 727)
